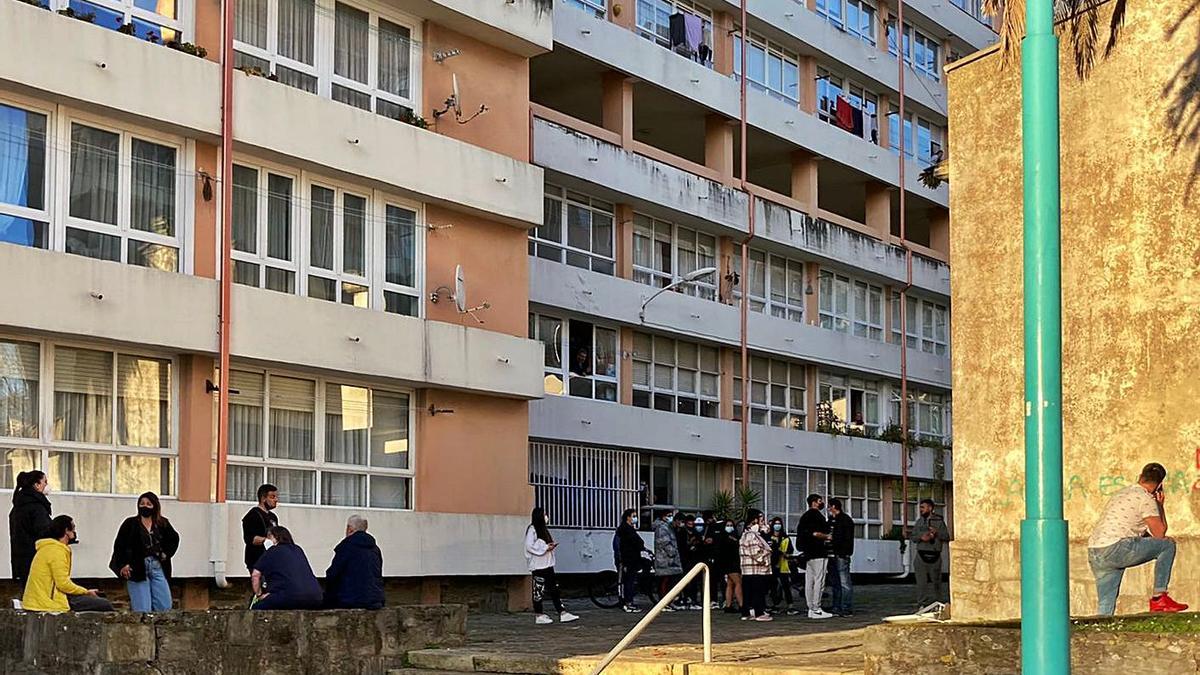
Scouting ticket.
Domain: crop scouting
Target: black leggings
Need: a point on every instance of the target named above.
(784, 579)
(545, 585)
(754, 592)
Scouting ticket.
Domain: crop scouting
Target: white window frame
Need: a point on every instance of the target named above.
(920, 403)
(770, 49)
(654, 388)
(847, 319)
(855, 492)
(922, 335)
(678, 6)
(262, 198)
(911, 37)
(318, 466)
(45, 443)
(560, 200)
(830, 85)
(827, 382)
(918, 490)
(562, 343)
(778, 393)
(840, 18)
(765, 302)
(50, 160)
(182, 24)
(798, 483)
(704, 287)
(596, 7)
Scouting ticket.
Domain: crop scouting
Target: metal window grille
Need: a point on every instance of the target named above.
(583, 487)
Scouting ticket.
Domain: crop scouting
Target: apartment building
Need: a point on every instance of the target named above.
(370, 204)
(636, 117)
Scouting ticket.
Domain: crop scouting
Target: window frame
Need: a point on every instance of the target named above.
(50, 161)
(791, 512)
(45, 442)
(656, 278)
(871, 527)
(597, 7)
(678, 7)
(318, 466)
(651, 509)
(912, 37)
(841, 21)
(828, 381)
(769, 49)
(790, 416)
(562, 203)
(930, 343)
(766, 303)
(563, 372)
(653, 389)
(183, 24)
(832, 318)
(918, 399)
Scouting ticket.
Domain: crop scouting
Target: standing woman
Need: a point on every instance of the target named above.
(142, 555)
(28, 521)
(756, 567)
(729, 564)
(539, 552)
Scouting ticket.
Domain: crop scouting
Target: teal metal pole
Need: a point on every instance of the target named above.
(1045, 601)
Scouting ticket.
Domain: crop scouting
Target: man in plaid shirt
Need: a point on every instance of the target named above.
(755, 555)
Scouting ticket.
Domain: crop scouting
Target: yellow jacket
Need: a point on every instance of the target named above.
(50, 578)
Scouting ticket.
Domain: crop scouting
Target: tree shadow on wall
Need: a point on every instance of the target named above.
(1183, 91)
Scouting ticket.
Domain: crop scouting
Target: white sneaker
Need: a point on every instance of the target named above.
(764, 617)
(567, 617)
(695, 607)
(819, 614)
(715, 605)
(542, 620)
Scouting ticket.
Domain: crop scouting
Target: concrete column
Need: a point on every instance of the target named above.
(883, 15)
(194, 595)
(728, 358)
(623, 14)
(205, 257)
(879, 208)
(881, 111)
(723, 42)
(617, 106)
(623, 216)
(804, 178)
(939, 230)
(520, 593)
(431, 591)
(718, 145)
(196, 428)
(808, 84)
(625, 367)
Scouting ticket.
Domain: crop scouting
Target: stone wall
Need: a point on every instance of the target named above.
(357, 642)
(1130, 262)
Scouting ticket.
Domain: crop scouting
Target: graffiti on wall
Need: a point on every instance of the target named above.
(1011, 489)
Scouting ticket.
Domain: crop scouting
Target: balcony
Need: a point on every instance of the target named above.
(517, 26)
(73, 295)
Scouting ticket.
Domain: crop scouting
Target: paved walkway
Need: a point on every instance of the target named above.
(790, 644)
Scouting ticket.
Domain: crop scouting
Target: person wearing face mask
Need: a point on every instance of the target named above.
(729, 566)
(49, 588)
(257, 521)
(755, 555)
(689, 554)
(629, 548)
(708, 555)
(812, 534)
(282, 577)
(781, 571)
(539, 553)
(667, 563)
(28, 520)
(142, 555)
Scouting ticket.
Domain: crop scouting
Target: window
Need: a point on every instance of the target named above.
(675, 376)
(830, 86)
(581, 486)
(920, 50)
(588, 239)
(776, 284)
(929, 137)
(319, 441)
(853, 16)
(777, 393)
(335, 49)
(158, 21)
(24, 211)
(927, 324)
(663, 253)
(596, 7)
(93, 420)
(862, 500)
(849, 405)
(654, 23)
(917, 490)
(785, 489)
(360, 246)
(592, 354)
(773, 68)
(675, 483)
(851, 305)
(928, 415)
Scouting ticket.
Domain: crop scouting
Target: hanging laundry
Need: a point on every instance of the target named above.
(873, 126)
(705, 55)
(856, 117)
(845, 117)
(678, 31)
(693, 32)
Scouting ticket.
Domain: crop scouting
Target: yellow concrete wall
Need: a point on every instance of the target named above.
(1131, 306)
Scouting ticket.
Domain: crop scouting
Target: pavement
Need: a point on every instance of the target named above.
(671, 645)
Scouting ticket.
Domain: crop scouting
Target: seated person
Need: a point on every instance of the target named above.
(49, 588)
(355, 578)
(282, 577)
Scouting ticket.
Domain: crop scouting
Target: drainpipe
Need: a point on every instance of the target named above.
(908, 279)
(1045, 597)
(745, 305)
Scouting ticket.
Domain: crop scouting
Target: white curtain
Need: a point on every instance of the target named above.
(351, 43)
(279, 217)
(320, 246)
(343, 489)
(94, 160)
(394, 57)
(83, 395)
(81, 471)
(296, 29)
(19, 388)
(144, 402)
(347, 424)
(389, 492)
(246, 415)
(250, 22)
(152, 192)
(291, 431)
(295, 487)
(241, 482)
(245, 208)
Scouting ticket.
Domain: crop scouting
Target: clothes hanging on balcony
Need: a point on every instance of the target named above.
(677, 31)
(705, 55)
(873, 129)
(856, 118)
(693, 31)
(845, 116)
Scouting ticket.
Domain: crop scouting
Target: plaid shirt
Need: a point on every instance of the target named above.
(755, 553)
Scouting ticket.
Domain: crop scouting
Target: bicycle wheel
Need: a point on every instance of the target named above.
(605, 589)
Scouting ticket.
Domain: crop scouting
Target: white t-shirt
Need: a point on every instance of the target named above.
(1124, 517)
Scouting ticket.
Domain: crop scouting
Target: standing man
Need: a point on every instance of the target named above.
(843, 549)
(812, 533)
(1132, 531)
(628, 546)
(257, 521)
(354, 579)
(928, 536)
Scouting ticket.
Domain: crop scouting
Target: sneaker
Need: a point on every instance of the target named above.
(765, 617)
(542, 620)
(669, 608)
(694, 607)
(819, 614)
(632, 609)
(567, 617)
(715, 605)
(793, 612)
(1164, 603)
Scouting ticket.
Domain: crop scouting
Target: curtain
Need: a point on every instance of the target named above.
(143, 402)
(19, 387)
(83, 395)
(296, 29)
(295, 487)
(343, 489)
(94, 159)
(250, 22)
(245, 208)
(400, 254)
(389, 430)
(291, 432)
(145, 473)
(241, 482)
(347, 424)
(22, 157)
(152, 191)
(81, 471)
(279, 217)
(320, 248)
(351, 43)
(246, 414)
(394, 54)
(354, 225)
(389, 492)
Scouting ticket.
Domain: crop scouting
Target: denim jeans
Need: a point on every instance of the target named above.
(839, 581)
(629, 584)
(1109, 565)
(153, 594)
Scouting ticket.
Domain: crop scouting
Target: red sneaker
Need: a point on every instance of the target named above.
(1164, 603)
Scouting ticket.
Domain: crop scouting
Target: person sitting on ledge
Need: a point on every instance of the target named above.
(50, 588)
(1133, 531)
(286, 574)
(355, 578)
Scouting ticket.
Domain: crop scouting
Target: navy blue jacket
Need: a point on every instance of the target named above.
(355, 578)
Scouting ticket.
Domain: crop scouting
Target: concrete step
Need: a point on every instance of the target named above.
(514, 663)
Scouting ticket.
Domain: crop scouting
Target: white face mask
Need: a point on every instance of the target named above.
(547, 521)
(46, 490)
(268, 544)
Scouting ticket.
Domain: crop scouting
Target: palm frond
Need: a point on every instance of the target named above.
(1080, 16)
(935, 174)
(1114, 26)
(1085, 29)
(1011, 16)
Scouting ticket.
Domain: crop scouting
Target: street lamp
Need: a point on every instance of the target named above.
(685, 279)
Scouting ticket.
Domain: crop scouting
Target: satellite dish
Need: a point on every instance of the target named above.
(460, 289)
(457, 97)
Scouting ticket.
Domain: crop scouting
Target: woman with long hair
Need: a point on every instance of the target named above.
(28, 521)
(539, 553)
(282, 577)
(142, 555)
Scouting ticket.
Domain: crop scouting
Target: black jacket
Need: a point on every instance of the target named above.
(729, 560)
(629, 546)
(27, 522)
(134, 544)
(843, 535)
(355, 578)
(812, 547)
(255, 523)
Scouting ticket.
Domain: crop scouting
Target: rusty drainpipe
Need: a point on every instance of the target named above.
(745, 305)
(908, 279)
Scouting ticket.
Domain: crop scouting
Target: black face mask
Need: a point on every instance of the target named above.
(74, 539)
(145, 511)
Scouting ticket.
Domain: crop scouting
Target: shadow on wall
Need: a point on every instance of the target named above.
(1183, 116)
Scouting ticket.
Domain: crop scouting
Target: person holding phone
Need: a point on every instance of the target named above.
(1132, 531)
(539, 553)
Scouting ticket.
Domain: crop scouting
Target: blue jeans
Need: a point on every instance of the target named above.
(153, 594)
(1109, 565)
(629, 581)
(839, 581)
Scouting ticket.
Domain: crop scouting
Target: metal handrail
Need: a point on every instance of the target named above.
(657, 609)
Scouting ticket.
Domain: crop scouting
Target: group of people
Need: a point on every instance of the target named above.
(280, 574)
